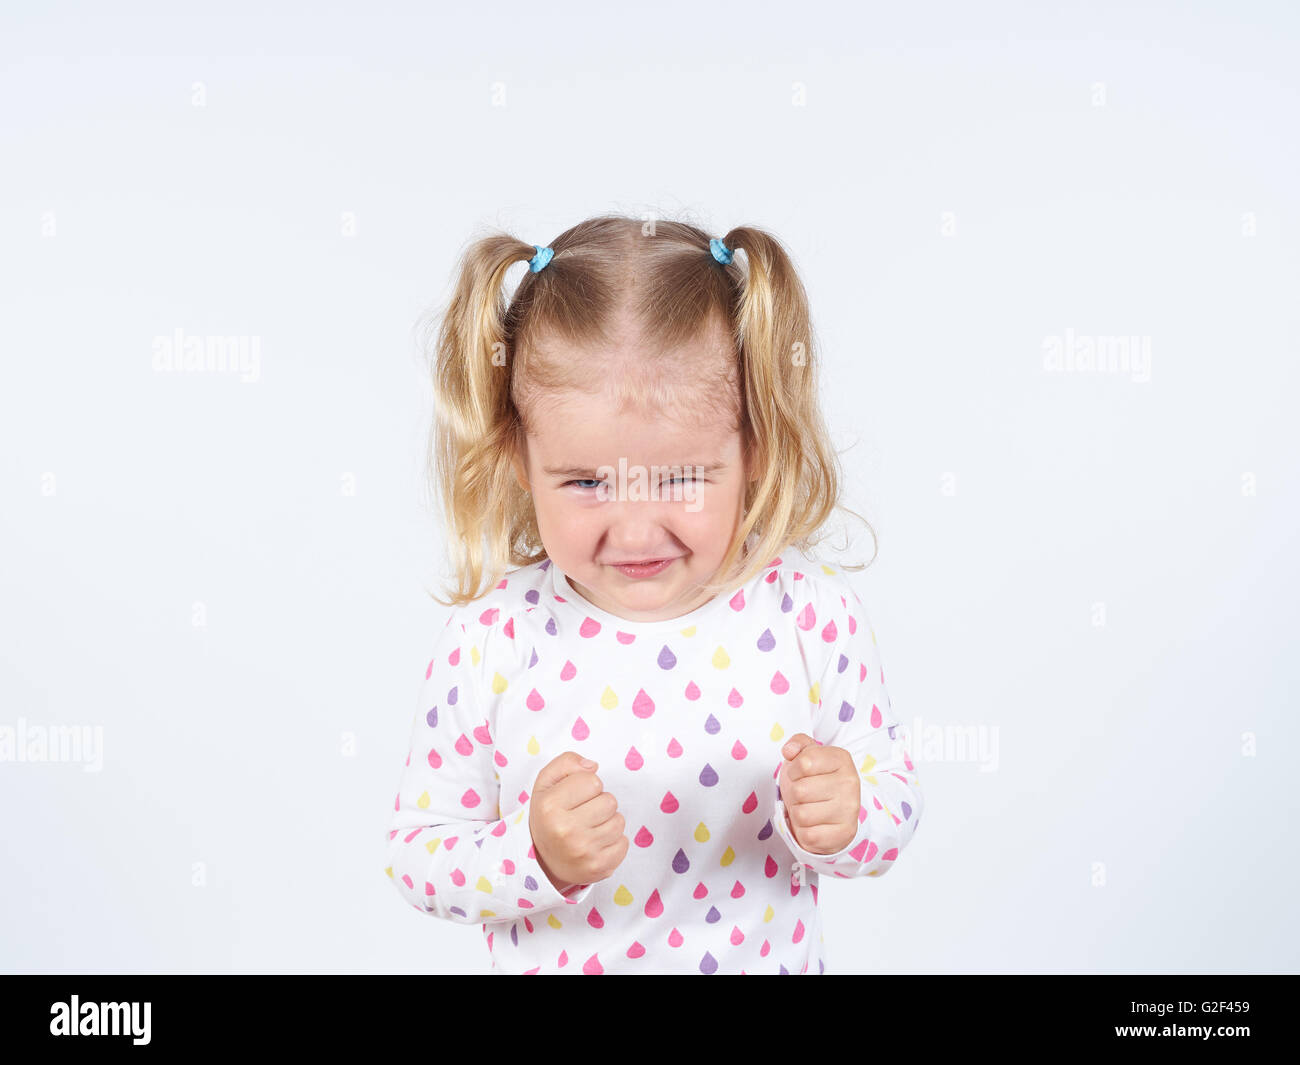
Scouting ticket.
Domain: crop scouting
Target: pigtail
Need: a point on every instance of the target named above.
(474, 429)
(800, 475)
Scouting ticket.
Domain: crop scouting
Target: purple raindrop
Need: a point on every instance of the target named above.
(767, 641)
(666, 658)
(712, 726)
(680, 862)
(708, 775)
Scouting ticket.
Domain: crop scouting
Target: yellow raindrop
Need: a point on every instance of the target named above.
(720, 658)
(554, 921)
(768, 914)
(689, 631)
(484, 884)
(423, 801)
(702, 834)
(728, 856)
(608, 699)
(868, 762)
(815, 693)
(499, 684)
(474, 656)
(777, 732)
(533, 745)
(622, 896)
(432, 845)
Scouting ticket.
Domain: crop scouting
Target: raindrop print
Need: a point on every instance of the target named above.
(713, 916)
(907, 810)
(787, 604)
(483, 735)
(846, 711)
(737, 890)
(551, 628)
(763, 950)
(767, 641)
(530, 884)
(435, 759)
(531, 596)
(595, 919)
(738, 600)
(563, 959)
(514, 935)
(734, 698)
(580, 730)
(452, 659)
(642, 704)
(737, 936)
(830, 632)
(633, 760)
(770, 868)
(798, 931)
(622, 896)
(700, 890)
(488, 616)
(702, 833)
(807, 617)
(843, 664)
(608, 699)
(674, 748)
(453, 696)
(463, 746)
(779, 684)
(680, 861)
(712, 725)
(666, 658)
(635, 950)
(766, 830)
(643, 837)
(721, 660)
(432, 717)
(624, 638)
(470, 799)
(669, 803)
(654, 906)
(675, 939)
(708, 963)
(876, 719)
(708, 775)
(692, 691)
(534, 700)
(588, 628)
(569, 671)
(750, 804)
(738, 750)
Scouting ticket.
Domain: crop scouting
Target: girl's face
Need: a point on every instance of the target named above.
(611, 488)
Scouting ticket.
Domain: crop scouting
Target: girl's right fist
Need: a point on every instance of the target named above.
(575, 824)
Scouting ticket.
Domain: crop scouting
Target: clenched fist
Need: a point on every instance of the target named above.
(821, 794)
(576, 827)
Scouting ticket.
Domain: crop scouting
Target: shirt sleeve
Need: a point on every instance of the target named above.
(854, 712)
(451, 850)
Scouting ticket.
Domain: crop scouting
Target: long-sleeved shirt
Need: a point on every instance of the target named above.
(686, 719)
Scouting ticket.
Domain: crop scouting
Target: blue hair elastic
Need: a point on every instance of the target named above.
(720, 251)
(539, 260)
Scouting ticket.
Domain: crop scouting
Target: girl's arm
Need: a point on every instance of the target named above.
(854, 713)
(452, 851)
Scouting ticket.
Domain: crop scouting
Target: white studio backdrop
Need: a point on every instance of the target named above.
(1086, 593)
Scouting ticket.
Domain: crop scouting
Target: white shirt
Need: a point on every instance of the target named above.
(686, 719)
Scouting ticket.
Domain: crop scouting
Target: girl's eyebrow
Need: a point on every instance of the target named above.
(588, 472)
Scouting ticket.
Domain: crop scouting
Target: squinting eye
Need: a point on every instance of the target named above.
(588, 480)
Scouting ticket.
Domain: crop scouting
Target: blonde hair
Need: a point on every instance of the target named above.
(491, 364)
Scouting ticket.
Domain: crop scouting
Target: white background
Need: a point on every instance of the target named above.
(957, 183)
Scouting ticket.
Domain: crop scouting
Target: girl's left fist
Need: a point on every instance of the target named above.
(822, 794)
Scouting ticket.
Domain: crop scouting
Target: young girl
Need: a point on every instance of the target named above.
(637, 750)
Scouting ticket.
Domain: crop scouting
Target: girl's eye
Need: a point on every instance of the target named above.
(582, 481)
